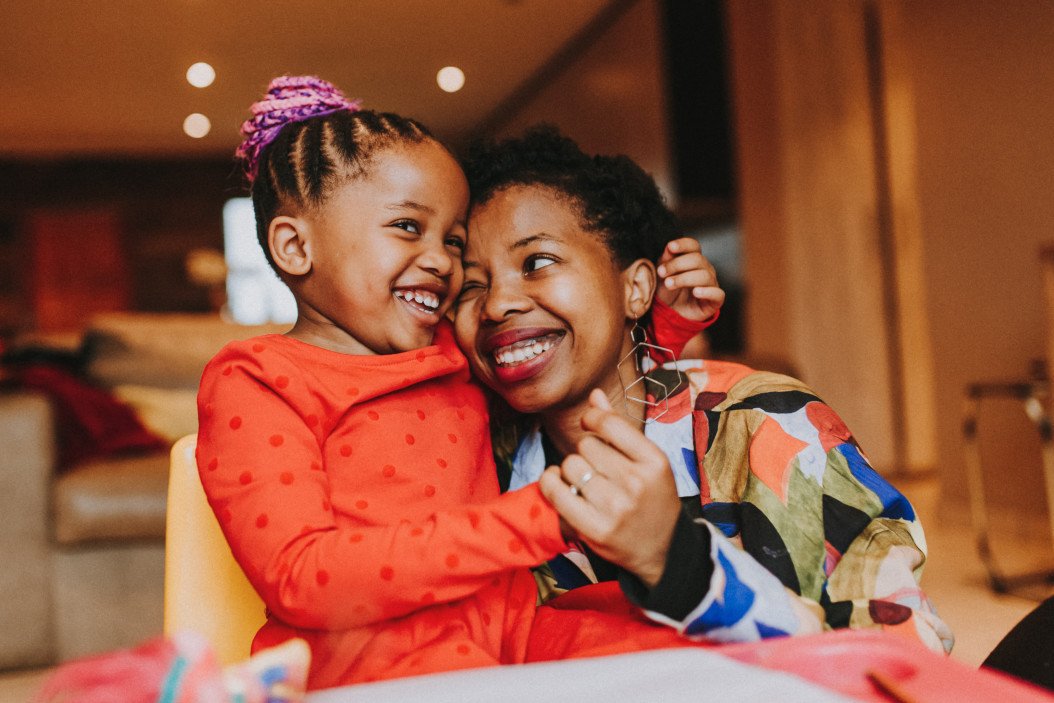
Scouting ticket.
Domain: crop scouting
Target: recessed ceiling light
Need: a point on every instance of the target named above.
(450, 78)
(196, 125)
(201, 75)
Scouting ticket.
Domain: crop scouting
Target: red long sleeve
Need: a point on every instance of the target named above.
(672, 330)
(355, 490)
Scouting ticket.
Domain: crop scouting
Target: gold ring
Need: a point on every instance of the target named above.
(576, 488)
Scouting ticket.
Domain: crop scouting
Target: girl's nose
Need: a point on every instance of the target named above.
(437, 260)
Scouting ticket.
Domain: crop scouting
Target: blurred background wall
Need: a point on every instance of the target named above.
(881, 167)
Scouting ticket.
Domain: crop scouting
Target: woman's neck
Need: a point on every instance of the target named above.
(563, 426)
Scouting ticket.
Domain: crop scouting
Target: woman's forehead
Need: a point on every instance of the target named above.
(519, 212)
(501, 239)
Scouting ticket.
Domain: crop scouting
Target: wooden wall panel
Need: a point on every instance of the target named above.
(79, 267)
(147, 214)
(809, 204)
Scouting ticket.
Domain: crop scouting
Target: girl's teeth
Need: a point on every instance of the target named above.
(426, 299)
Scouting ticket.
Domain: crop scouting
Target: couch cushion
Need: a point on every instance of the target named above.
(26, 633)
(167, 412)
(163, 350)
(115, 498)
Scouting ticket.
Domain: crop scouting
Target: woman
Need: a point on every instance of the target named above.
(735, 509)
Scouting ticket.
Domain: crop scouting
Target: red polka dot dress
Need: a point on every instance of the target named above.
(359, 495)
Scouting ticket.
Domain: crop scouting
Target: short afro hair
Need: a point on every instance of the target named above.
(615, 197)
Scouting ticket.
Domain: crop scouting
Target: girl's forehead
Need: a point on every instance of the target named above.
(425, 164)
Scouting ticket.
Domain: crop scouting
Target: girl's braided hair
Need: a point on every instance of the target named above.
(304, 138)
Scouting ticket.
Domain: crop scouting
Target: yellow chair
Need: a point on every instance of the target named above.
(205, 589)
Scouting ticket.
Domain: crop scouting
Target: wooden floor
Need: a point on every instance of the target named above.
(954, 580)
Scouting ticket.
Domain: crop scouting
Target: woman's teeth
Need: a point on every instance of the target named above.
(422, 298)
(524, 350)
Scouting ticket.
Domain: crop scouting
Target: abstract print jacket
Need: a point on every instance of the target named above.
(785, 527)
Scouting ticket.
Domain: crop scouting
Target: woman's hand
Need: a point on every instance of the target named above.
(617, 492)
(689, 281)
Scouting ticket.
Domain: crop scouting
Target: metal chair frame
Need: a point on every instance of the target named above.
(1034, 396)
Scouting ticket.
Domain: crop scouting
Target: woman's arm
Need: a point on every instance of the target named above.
(273, 502)
(618, 493)
(707, 585)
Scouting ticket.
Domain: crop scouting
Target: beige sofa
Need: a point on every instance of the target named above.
(83, 551)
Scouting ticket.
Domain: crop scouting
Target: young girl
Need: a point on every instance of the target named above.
(348, 461)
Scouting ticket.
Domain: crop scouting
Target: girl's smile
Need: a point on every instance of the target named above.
(425, 301)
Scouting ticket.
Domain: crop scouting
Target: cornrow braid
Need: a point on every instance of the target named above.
(304, 139)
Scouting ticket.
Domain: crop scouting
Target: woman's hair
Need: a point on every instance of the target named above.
(614, 196)
(304, 138)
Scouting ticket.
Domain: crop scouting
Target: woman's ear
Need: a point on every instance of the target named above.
(286, 238)
(639, 278)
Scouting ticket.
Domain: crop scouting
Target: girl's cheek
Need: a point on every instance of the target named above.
(464, 326)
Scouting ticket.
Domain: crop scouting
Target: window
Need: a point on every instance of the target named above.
(255, 295)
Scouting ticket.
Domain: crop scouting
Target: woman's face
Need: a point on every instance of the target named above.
(542, 315)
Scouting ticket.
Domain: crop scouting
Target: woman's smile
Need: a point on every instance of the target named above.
(519, 354)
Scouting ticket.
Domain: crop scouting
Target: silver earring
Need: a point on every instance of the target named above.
(656, 393)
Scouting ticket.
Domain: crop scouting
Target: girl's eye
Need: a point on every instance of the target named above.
(456, 242)
(408, 225)
(537, 262)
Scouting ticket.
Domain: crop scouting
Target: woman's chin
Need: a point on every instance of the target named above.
(523, 398)
(526, 406)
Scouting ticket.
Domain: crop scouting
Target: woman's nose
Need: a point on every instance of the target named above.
(505, 297)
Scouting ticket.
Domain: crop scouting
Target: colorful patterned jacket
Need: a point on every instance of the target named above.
(785, 527)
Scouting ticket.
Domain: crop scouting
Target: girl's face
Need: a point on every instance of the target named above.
(542, 315)
(385, 252)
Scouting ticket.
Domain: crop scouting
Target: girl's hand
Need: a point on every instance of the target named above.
(688, 281)
(617, 492)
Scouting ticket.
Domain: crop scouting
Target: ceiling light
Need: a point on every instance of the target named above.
(196, 125)
(450, 78)
(201, 75)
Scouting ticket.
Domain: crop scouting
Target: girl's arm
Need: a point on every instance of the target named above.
(261, 466)
(688, 299)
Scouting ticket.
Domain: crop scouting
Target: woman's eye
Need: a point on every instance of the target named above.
(537, 262)
(469, 290)
(408, 225)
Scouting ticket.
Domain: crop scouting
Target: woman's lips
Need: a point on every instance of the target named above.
(517, 355)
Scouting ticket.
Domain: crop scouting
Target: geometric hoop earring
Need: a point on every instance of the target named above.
(656, 393)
